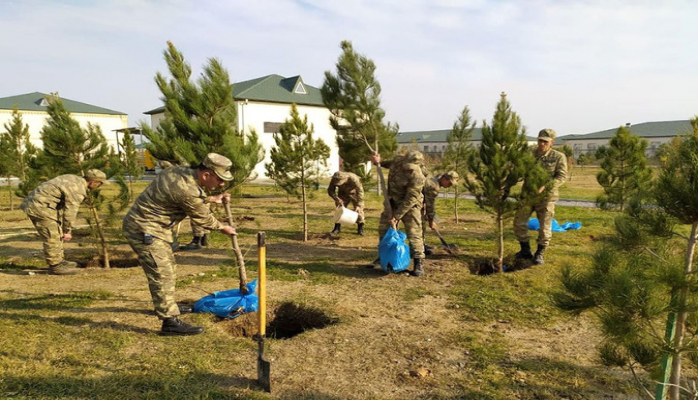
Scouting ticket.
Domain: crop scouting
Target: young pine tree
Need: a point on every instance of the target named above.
(569, 153)
(129, 160)
(70, 149)
(296, 158)
(200, 118)
(353, 98)
(502, 161)
(624, 169)
(16, 150)
(644, 278)
(459, 149)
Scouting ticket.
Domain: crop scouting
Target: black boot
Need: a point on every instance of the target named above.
(337, 229)
(538, 257)
(175, 327)
(375, 263)
(194, 245)
(525, 252)
(418, 267)
(360, 229)
(204, 240)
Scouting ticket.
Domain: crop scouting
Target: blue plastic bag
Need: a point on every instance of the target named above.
(394, 253)
(534, 225)
(229, 303)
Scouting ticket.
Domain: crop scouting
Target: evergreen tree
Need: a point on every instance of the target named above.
(503, 161)
(16, 149)
(624, 169)
(353, 98)
(644, 277)
(296, 159)
(70, 149)
(129, 159)
(200, 118)
(569, 153)
(459, 149)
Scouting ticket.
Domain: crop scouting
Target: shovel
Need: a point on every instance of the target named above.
(450, 248)
(238, 254)
(263, 365)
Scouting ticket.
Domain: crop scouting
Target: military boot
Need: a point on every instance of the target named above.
(538, 257)
(418, 267)
(204, 240)
(175, 327)
(337, 229)
(194, 245)
(375, 263)
(63, 268)
(360, 229)
(525, 252)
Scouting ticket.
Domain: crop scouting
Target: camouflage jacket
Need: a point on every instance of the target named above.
(405, 185)
(555, 163)
(63, 193)
(171, 197)
(431, 190)
(346, 185)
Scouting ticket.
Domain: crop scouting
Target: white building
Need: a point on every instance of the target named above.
(32, 108)
(263, 104)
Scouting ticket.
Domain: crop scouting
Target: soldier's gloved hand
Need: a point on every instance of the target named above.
(338, 203)
(67, 236)
(218, 199)
(229, 230)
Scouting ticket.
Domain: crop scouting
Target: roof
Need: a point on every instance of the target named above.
(644, 130)
(272, 89)
(438, 136)
(34, 102)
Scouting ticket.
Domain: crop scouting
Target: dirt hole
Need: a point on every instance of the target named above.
(486, 266)
(284, 322)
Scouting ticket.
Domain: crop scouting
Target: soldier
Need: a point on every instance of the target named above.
(52, 207)
(405, 185)
(556, 164)
(176, 193)
(432, 186)
(345, 188)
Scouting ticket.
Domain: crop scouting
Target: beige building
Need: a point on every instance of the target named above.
(434, 143)
(32, 107)
(263, 104)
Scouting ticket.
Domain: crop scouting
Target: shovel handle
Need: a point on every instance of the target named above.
(236, 249)
(441, 238)
(262, 314)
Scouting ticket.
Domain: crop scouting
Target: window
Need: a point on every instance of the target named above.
(272, 127)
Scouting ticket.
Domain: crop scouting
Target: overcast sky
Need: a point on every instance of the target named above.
(574, 66)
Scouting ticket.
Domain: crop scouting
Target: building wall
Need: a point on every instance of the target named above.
(36, 120)
(589, 146)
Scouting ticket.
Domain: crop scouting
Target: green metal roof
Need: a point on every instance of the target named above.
(33, 102)
(643, 130)
(437, 136)
(272, 89)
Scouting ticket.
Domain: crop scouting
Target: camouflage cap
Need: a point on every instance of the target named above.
(96, 175)
(452, 176)
(414, 157)
(547, 135)
(220, 165)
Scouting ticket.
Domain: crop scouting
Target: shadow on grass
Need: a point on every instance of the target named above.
(73, 321)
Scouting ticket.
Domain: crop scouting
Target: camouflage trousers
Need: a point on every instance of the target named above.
(50, 232)
(348, 200)
(413, 229)
(158, 263)
(545, 212)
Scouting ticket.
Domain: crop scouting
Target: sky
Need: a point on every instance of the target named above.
(573, 66)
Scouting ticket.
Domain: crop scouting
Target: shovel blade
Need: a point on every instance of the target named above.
(263, 369)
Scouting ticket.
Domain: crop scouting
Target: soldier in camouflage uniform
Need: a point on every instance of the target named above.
(52, 207)
(345, 188)
(405, 185)
(555, 163)
(176, 193)
(432, 185)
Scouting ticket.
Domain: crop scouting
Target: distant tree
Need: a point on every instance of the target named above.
(70, 149)
(644, 278)
(353, 98)
(200, 118)
(296, 159)
(586, 159)
(129, 159)
(16, 150)
(569, 153)
(624, 171)
(458, 150)
(503, 161)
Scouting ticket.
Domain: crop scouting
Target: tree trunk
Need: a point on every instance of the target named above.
(455, 202)
(500, 243)
(9, 188)
(102, 237)
(305, 211)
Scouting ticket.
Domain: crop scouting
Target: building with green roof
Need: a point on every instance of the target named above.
(434, 143)
(32, 108)
(263, 104)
